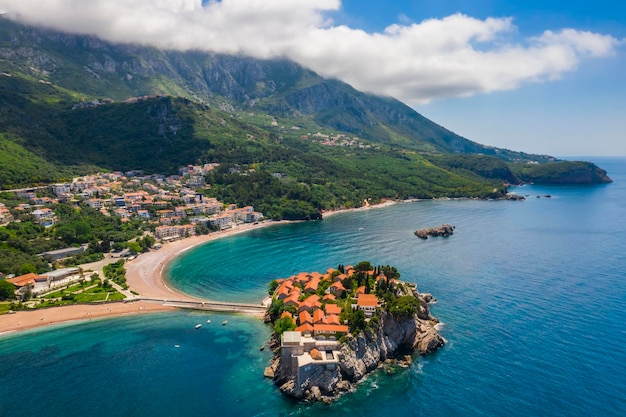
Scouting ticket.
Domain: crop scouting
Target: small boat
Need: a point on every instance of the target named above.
(176, 346)
(262, 348)
(208, 321)
(225, 322)
(198, 325)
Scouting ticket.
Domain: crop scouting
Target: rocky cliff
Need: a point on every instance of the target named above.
(391, 338)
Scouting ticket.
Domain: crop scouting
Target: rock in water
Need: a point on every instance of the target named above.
(444, 230)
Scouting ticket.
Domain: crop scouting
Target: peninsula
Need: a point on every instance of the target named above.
(332, 329)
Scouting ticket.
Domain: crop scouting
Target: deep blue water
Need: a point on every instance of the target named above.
(532, 295)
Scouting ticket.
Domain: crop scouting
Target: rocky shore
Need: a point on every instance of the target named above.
(388, 343)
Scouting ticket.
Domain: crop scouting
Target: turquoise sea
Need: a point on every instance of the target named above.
(532, 294)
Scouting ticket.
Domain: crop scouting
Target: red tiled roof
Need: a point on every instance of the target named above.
(319, 316)
(367, 300)
(335, 328)
(332, 309)
(304, 328)
(305, 317)
(22, 280)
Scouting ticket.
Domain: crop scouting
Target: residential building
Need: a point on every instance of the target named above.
(368, 303)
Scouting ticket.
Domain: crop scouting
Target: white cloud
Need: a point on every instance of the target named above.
(415, 62)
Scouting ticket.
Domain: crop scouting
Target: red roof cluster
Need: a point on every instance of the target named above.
(311, 318)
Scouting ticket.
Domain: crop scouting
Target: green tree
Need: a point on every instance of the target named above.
(271, 287)
(27, 268)
(357, 321)
(405, 306)
(283, 325)
(7, 290)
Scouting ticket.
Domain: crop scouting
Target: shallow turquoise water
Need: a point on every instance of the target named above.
(532, 296)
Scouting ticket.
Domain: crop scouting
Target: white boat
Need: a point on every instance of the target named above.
(225, 322)
(198, 325)
(176, 346)
(208, 321)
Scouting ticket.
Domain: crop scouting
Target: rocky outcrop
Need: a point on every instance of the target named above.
(513, 197)
(443, 230)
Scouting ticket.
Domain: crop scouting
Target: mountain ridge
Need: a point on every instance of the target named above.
(201, 107)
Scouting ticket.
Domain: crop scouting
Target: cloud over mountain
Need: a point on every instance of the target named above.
(416, 62)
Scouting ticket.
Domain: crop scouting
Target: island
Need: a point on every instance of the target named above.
(332, 329)
(443, 230)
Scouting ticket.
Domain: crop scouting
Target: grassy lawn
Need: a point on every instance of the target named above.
(91, 295)
(4, 307)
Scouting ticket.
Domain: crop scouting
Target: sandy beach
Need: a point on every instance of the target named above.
(23, 320)
(366, 206)
(143, 275)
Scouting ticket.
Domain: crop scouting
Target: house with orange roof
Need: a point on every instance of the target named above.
(340, 278)
(329, 297)
(284, 289)
(292, 299)
(360, 290)
(31, 281)
(305, 317)
(368, 303)
(302, 278)
(306, 329)
(329, 329)
(310, 303)
(319, 317)
(337, 289)
(332, 309)
(312, 285)
(316, 275)
(332, 319)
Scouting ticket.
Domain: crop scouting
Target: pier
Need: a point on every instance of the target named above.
(220, 306)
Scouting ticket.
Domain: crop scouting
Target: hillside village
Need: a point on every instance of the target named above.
(172, 202)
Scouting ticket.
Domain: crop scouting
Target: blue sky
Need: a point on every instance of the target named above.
(581, 114)
(536, 76)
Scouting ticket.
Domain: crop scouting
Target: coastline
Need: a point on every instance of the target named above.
(144, 276)
(31, 319)
(367, 206)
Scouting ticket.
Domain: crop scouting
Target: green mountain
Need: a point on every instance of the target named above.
(235, 110)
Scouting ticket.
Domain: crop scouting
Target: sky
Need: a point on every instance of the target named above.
(544, 77)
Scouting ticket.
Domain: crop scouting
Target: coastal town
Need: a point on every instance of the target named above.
(166, 208)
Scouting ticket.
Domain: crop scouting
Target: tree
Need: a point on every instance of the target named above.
(7, 290)
(404, 306)
(357, 321)
(364, 266)
(27, 268)
(283, 325)
(271, 287)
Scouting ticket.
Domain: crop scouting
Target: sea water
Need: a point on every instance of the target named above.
(531, 293)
